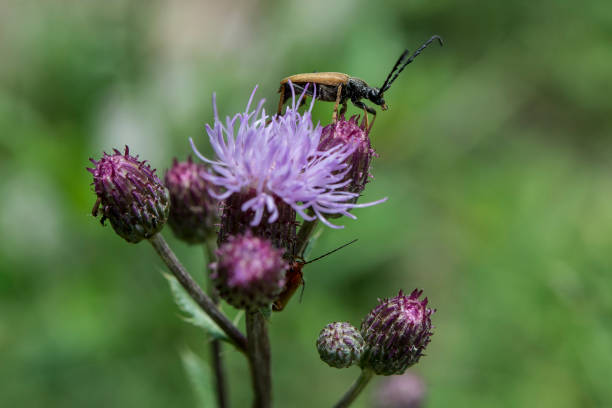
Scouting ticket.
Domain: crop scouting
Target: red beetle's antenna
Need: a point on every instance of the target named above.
(330, 252)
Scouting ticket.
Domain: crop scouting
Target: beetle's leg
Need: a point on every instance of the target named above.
(366, 109)
(343, 110)
(96, 207)
(338, 96)
(373, 119)
(282, 99)
(365, 117)
(303, 101)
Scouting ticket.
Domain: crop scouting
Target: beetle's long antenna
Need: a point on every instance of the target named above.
(386, 84)
(331, 252)
(393, 75)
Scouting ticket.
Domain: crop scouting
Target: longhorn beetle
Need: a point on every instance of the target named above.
(338, 87)
(295, 278)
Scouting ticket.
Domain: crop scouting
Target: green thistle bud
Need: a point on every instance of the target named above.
(340, 344)
(130, 195)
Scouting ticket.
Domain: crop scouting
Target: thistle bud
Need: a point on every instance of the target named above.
(400, 391)
(348, 132)
(130, 195)
(396, 333)
(340, 344)
(194, 212)
(249, 272)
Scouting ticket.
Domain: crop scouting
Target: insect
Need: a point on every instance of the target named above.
(338, 87)
(295, 278)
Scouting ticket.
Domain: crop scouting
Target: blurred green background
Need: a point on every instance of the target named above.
(495, 154)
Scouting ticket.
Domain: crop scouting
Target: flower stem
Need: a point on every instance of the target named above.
(163, 250)
(215, 346)
(304, 234)
(220, 384)
(355, 389)
(259, 358)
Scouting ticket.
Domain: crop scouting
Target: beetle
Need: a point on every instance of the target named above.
(338, 87)
(295, 278)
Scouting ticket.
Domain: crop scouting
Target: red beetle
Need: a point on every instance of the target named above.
(295, 278)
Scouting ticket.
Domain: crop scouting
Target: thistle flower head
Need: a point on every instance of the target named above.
(350, 133)
(400, 391)
(279, 160)
(249, 272)
(130, 195)
(194, 212)
(340, 344)
(396, 333)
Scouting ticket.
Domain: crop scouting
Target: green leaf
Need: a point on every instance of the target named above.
(238, 317)
(193, 313)
(199, 375)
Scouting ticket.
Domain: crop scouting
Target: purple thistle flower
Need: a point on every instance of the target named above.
(396, 333)
(249, 272)
(194, 212)
(279, 160)
(130, 195)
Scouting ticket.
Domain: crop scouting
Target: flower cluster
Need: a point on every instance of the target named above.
(267, 172)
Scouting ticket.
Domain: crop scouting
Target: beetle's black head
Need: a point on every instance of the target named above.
(376, 97)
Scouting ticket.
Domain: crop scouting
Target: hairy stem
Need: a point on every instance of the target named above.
(259, 358)
(163, 250)
(355, 389)
(215, 346)
(304, 234)
(220, 383)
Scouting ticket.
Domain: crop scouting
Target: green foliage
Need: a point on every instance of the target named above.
(200, 378)
(193, 312)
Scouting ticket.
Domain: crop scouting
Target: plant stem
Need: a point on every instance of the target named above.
(355, 389)
(215, 346)
(259, 358)
(304, 235)
(163, 250)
